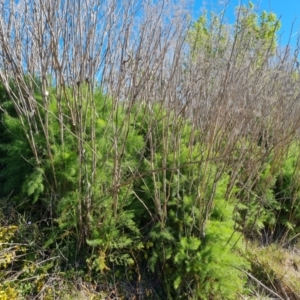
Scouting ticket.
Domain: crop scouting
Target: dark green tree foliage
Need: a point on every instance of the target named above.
(286, 192)
(15, 153)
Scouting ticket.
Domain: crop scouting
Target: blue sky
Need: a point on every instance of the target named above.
(287, 10)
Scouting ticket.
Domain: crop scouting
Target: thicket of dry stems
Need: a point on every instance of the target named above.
(137, 51)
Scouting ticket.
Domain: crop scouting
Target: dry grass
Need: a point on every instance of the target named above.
(277, 268)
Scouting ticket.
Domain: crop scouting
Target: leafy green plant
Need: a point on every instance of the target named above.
(159, 168)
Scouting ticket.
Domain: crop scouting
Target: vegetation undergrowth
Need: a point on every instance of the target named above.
(166, 168)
